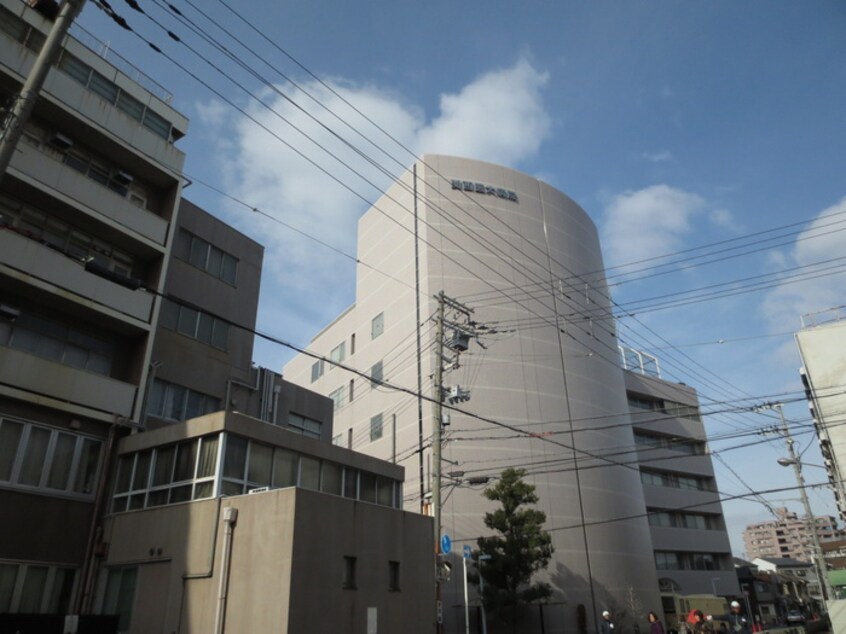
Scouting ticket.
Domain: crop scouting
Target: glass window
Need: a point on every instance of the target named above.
(385, 492)
(317, 370)
(666, 561)
(235, 462)
(61, 462)
(260, 465)
(130, 105)
(331, 479)
(229, 268)
(215, 261)
(8, 580)
(34, 456)
(175, 402)
(337, 398)
(376, 376)
(220, 334)
(658, 518)
(188, 321)
(32, 592)
(99, 85)
(186, 457)
(10, 435)
(338, 353)
(163, 471)
(156, 124)
(350, 483)
(376, 427)
(208, 457)
(120, 595)
(377, 325)
(309, 473)
(284, 468)
(199, 252)
(141, 478)
(367, 487)
(75, 68)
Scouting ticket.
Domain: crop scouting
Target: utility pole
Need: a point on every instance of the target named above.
(810, 520)
(457, 343)
(15, 120)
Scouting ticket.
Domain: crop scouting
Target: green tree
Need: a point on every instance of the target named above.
(521, 549)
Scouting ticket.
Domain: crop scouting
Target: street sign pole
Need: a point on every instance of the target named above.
(466, 604)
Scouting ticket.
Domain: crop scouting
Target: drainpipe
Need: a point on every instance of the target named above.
(230, 516)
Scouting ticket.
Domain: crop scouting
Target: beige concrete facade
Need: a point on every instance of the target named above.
(287, 554)
(527, 260)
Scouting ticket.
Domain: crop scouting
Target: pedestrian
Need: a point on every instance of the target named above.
(655, 626)
(737, 622)
(606, 626)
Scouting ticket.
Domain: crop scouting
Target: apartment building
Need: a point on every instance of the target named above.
(788, 535)
(86, 224)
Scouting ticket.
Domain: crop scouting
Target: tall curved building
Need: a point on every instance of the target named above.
(542, 372)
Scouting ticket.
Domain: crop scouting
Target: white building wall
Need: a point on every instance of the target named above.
(503, 259)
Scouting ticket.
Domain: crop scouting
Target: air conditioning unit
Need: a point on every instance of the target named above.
(119, 176)
(61, 142)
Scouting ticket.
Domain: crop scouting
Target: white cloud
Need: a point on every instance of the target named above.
(823, 240)
(499, 117)
(658, 157)
(647, 222)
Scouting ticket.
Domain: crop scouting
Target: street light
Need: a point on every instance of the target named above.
(819, 561)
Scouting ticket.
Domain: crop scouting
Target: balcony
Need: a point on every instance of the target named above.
(43, 378)
(37, 168)
(689, 499)
(36, 264)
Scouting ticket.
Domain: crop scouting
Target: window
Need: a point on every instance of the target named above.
(317, 370)
(57, 234)
(376, 427)
(377, 325)
(352, 389)
(338, 353)
(119, 595)
(338, 440)
(28, 588)
(173, 402)
(195, 324)
(48, 459)
(349, 573)
(660, 518)
(666, 561)
(376, 374)
(393, 576)
(58, 342)
(212, 260)
(305, 426)
(352, 344)
(337, 398)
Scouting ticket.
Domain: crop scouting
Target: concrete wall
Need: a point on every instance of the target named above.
(286, 567)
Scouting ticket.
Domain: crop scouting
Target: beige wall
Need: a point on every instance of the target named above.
(286, 566)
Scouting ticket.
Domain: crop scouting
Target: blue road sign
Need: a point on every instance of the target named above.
(468, 551)
(446, 544)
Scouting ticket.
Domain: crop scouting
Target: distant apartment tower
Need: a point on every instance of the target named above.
(788, 536)
(689, 538)
(547, 392)
(86, 223)
(822, 348)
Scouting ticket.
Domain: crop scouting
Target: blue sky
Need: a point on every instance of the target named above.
(673, 124)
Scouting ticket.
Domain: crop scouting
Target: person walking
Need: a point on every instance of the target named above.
(655, 625)
(737, 622)
(606, 626)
